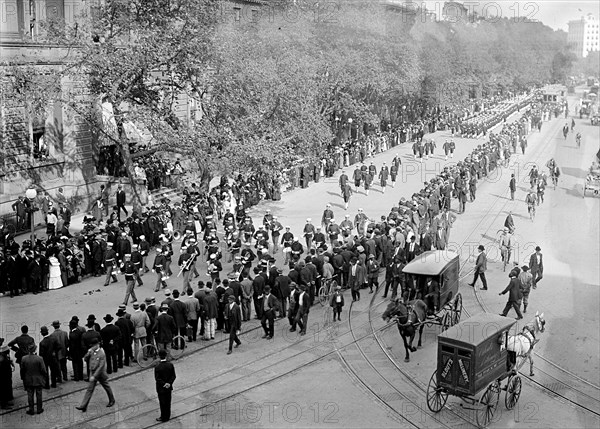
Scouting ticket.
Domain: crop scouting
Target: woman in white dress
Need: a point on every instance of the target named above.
(55, 274)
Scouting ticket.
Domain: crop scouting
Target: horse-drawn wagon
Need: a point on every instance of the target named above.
(472, 359)
(433, 277)
(592, 181)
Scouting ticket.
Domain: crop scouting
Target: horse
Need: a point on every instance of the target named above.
(408, 316)
(521, 345)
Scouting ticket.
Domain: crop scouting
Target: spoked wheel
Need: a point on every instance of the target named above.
(436, 395)
(513, 391)
(147, 356)
(322, 296)
(487, 405)
(457, 309)
(446, 320)
(177, 347)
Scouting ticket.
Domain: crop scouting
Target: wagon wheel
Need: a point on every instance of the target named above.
(446, 320)
(457, 309)
(436, 395)
(513, 391)
(488, 404)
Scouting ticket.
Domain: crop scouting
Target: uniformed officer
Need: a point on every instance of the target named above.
(110, 261)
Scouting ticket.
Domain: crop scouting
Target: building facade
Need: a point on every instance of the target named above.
(54, 147)
(583, 35)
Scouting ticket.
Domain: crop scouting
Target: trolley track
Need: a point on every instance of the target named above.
(189, 391)
(398, 400)
(593, 402)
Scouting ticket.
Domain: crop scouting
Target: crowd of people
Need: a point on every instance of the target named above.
(213, 230)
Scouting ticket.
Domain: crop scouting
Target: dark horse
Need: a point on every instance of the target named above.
(408, 316)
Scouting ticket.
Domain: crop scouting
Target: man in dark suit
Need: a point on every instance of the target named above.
(33, 374)
(536, 266)
(48, 351)
(233, 314)
(21, 344)
(34, 270)
(480, 267)
(126, 327)
(270, 306)
(164, 328)
(164, 374)
(76, 351)
(302, 300)
(412, 249)
(62, 339)
(121, 197)
(178, 310)
(111, 338)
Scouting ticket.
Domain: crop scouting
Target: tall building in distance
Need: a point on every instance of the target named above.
(583, 35)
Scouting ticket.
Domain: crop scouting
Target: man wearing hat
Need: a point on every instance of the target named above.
(137, 260)
(124, 345)
(233, 315)
(48, 352)
(270, 305)
(536, 266)
(110, 261)
(337, 302)
(6, 386)
(121, 198)
(514, 297)
(372, 268)
(480, 268)
(128, 269)
(309, 232)
(160, 262)
(301, 310)
(76, 351)
(505, 243)
(33, 374)
(526, 282)
(111, 339)
(164, 328)
(62, 339)
(164, 375)
(144, 247)
(96, 360)
(141, 323)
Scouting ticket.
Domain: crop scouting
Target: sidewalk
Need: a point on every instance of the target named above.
(439, 136)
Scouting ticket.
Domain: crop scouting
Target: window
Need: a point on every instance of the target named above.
(237, 14)
(40, 147)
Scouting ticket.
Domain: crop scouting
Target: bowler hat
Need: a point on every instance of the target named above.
(108, 318)
(480, 247)
(55, 324)
(537, 248)
(91, 317)
(44, 330)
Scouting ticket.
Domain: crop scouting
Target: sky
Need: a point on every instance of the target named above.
(553, 13)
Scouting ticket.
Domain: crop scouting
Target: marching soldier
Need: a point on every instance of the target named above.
(394, 172)
(383, 177)
(214, 267)
(110, 261)
(144, 251)
(129, 270)
(186, 259)
(346, 226)
(327, 216)
(357, 177)
(137, 259)
(276, 228)
(286, 240)
(159, 268)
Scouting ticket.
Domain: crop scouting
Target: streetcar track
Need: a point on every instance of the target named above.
(378, 397)
(552, 392)
(316, 348)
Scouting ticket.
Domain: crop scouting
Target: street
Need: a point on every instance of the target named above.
(324, 379)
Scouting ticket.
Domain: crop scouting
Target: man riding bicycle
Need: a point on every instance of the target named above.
(531, 201)
(505, 243)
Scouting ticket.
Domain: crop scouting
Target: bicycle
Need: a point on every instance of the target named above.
(326, 291)
(148, 355)
(531, 210)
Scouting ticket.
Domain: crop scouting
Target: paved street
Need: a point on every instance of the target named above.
(316, 381)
